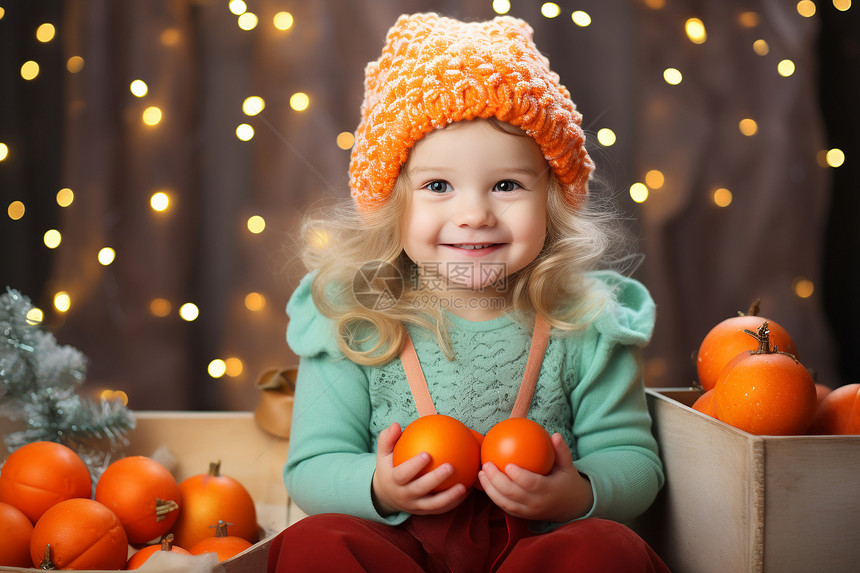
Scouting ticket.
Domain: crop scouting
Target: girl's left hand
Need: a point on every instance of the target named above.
(560, 496)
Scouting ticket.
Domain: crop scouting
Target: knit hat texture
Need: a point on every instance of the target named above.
(436, 70)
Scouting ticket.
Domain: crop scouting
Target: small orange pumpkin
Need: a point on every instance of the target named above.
(15, 533)
(79, 534)
(40, 474)
(223, 545)
(210, 498)
(143, 494)
(142, 556)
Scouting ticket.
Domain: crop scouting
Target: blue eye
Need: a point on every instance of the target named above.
(438, 186)
(507, 186)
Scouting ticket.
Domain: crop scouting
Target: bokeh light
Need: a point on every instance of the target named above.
(256, 224)
(46, 32)
(835, 157)
(550, 10)
(806, 8)
(345, 140)
(233, 367)
(803, 287)
(501, 6)
(29, 70)
(62, 301)
(138, 88)
(581, 18)
(248, 21)
(253, 105)
(722, 197)
(639, 192)
(52, 238)
(16, 210)
(217, 368)
(4, 151)
(748, 126)
(106, 256)
(159, 201)
(160, 307)
(283, 21)
(255, 301)
(695, 30)
(655, 179)
(152, 115)
(785, 68)
(189, 312)
(65, 197)
(606, 137)
(237, 7)
(74, 64)
(300, 101)
(672, 76)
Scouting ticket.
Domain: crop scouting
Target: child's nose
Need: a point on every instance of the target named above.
(474, 210)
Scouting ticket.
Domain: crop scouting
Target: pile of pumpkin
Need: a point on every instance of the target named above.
(752, 378)
(50, 517)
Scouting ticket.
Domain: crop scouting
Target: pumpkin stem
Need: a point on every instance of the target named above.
(753, 309)
(215, 468)
(167, 542)
(46, 563)
(221, 528)
(763, 337)
(162, 508)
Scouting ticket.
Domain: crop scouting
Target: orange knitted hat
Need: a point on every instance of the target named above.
(434, 71)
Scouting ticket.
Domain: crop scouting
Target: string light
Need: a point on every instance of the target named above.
(217, 368)
(159, 201)
(748, 126)
(672, 76)
(761, 48)
(151, 115)
(160, 307)
(45, 33)
(106, 256)
(606, 137)
(244, 132)
(300, 101)
(345, 140)
(722, 197)
(255, 301)
(806, 8)
(501, 6)
(62, 301)
(29, 70)
(75, 64)
(283, 21)
(803, 287)
(695, 30)
(256, 224)
(65, 197)
(639, 192)
(550, 10)
(248, 21)
(237, 7)
(655, 179)
(785, 68)
(581, 18)
(15, 210)
(52, 238)
(835, 157)
(189, 312)
(253, 105)
(138, 88)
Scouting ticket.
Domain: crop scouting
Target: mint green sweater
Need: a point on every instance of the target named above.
(590, 390)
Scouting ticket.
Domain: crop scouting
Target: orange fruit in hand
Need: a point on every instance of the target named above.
(728, 339)
(519, 441)
(839, 412)
(39, 475)
(766, 392)
(15, 533)
(447, 440)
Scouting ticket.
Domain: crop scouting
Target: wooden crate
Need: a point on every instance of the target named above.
(247, 453)
(736, 502)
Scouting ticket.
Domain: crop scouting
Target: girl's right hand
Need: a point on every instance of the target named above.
(398, 489)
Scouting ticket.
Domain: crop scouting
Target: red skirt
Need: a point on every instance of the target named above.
(475, 537)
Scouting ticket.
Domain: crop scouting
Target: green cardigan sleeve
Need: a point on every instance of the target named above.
(331, 462)
(612, 427)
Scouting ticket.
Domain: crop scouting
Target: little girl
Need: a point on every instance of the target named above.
(472, 241)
